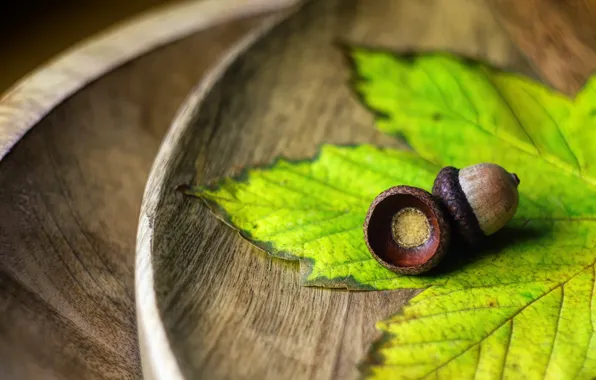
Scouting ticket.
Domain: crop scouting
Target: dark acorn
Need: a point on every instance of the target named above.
(406, 230)
(479, 199)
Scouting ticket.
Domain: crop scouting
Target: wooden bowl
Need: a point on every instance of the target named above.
(212, 306)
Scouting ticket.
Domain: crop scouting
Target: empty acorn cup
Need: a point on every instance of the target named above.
(408, 230)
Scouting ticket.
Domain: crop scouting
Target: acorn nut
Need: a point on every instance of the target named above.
(479, 199)
(406, 230)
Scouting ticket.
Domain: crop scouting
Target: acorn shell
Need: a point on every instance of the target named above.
(492, 193)
(480, 199)
(379, 237)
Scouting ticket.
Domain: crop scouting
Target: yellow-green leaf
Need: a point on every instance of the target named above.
(313, 211)
(521, 308)
(498, 317)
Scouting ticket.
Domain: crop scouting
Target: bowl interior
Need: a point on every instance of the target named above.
(228, 309)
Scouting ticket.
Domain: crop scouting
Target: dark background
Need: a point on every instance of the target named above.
(33, 31)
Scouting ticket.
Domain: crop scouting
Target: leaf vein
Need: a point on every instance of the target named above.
(552, 349)
(294, 190)
(331, 234)
(418, 318)
(345, 158)
(269, 206)
(591, 322)
(513, 113)
(545, 110)
(425, 342)
(466, 95)
(482, 287)
(507, 348)
(507, 320)
(359, 198)
(346, 264)
(477, 361)
(312, 224)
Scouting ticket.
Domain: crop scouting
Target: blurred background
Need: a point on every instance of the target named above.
(33, 31)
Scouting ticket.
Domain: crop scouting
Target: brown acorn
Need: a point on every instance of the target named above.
(406, 230)
(479, 199)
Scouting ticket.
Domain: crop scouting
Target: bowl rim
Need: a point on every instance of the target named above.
(157, 359)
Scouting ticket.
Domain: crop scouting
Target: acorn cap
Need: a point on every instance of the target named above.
(406, 231)
(479, 199)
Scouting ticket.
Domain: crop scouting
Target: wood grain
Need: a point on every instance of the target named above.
(558, 36)
(69, 202)
(30, 99)
(52, 26)
(227, 310)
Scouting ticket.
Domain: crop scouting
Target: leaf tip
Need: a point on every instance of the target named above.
(189, 190)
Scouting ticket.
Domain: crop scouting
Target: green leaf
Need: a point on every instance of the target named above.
(520, 309)
(461, 113)
(313, 211)
(528, 316)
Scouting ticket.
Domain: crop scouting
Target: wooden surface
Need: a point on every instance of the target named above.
(558, 36)
(227, 310)
(25, 103)
(69, 204)
(52, 26)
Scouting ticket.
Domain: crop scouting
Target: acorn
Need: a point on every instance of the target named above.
(406, 230)
(479, 199)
